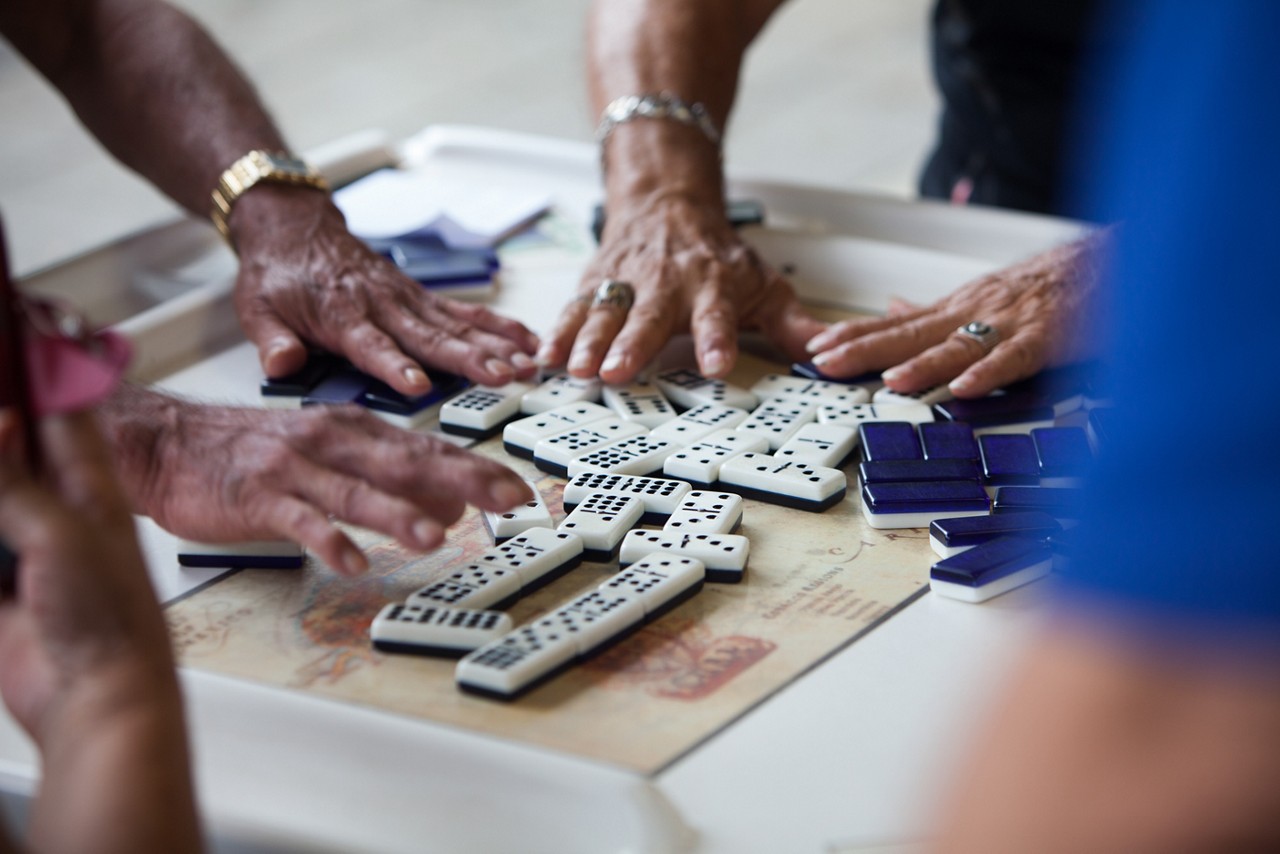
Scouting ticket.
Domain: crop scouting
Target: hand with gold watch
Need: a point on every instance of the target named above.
(306, 280)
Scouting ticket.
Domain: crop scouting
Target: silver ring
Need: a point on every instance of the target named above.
(986, 335)
(614, 292)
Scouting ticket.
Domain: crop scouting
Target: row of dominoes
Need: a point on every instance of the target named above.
(523, 658)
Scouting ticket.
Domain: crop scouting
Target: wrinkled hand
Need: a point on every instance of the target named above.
(222, 474)
(85, 619)
(690, 271)
(1044, 309)
(305, 279)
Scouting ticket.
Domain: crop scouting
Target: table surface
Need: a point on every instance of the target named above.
(849, 757)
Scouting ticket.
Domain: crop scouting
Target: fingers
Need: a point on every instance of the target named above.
(645, 329)
(599, 328)
(1022, 355)
(785, 322)
(714, 325)
(887, 342)
(280, 351)
(302, 523)
(556, 348)
(80, 466)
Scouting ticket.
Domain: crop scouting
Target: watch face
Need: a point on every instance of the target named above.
(280, 163)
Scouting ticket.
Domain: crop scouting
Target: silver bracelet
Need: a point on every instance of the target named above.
(663, 105)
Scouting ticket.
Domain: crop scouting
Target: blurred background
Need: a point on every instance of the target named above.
(836, 92)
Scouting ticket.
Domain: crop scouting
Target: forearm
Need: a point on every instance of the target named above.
(151, 86)
(693, 51)
(133, 421)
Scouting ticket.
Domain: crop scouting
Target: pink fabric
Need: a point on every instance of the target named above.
(66, 376)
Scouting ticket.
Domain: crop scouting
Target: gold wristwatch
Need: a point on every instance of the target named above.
(257, 166)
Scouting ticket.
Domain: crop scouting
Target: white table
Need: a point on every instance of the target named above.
(848, 757)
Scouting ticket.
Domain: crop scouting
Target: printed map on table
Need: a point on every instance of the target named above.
(815, 582)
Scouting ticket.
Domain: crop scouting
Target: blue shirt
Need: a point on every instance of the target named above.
(1185, 503)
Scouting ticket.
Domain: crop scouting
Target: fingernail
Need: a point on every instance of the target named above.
(821, 341)
(425, 533)
(545, 357)
(523, 362)
(580, 362)
(821, 359)
(416, 378)
(715, 362)
(613, 362)
(501, 368)
(959, 385)
(508, 494)
(353, 562)
(891, 375)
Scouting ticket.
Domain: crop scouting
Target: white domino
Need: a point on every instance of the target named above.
(522, 517)
(700, 463)
(658, 581)
(777, 481)
(536, 556)
(640, 402)
(436, 630)
(928, 396)
(660, 496)
(706, 512)
(479, 412)
(638, 455)
(553, 453)
(689, 389)
(827, 445)
(558, 391)
(777, 420)
(260, 554)
(699, 422)
(852, 416)
(602, 521)
(475, 585)
(516, 662)
(594, 620)
(723, 555)
(521, 436)
(817, 392)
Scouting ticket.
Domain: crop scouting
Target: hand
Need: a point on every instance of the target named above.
(222, 474)
(1043, 308)
(1105, 742)
(690, 270)
(85, 663)
(305, 279)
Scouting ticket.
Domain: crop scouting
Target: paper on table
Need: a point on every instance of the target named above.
(396, 202)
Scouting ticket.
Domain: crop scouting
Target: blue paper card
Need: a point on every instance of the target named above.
(972, 530)
(948, 440)
(991, 561)
(890, 440)
(1009, 459)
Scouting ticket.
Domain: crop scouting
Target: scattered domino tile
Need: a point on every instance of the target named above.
(1035, 402)
(594, 620)
(699, 464)
(659, 495)
(928, 396)
(476, 585)
(949, 537)
(537, 556)
(640, 402)
(602, 520)
(553, 453)
(480, 412)
(410, 413)
(689, 389)
(636, 455)
(828, 445)
(707, 512)
(871, 380)
(817, 392)
(698, 422)
(890, 440)
(532, 514)
(287, 392)
(723, 555)
(1009, 459)
(777, 420)
(433, 630)
(860, 413)
(1062, 503)
(659, 581)
(786, 482)
(948, 440)
(990, 569)
(917, 505)
(560, 390)
(919, 471)
(1064, 455)
(521, 436)
(261, 554)
(516, 662)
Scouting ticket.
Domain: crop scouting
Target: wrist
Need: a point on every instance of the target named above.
(134, 422)
(650, 160)
(258, 217)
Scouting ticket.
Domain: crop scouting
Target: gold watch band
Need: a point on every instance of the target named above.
(255, 167)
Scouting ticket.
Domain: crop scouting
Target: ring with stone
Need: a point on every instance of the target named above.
(984, 334)
(614, 292)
